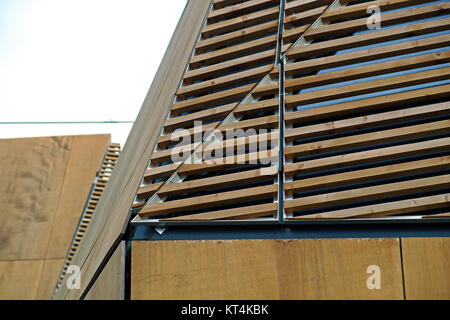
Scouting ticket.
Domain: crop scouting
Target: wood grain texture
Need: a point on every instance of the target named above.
(48, 278)
(426, 265)
(19, 279)
(265, 269)
(32, 174)
(46, 182)
(109, 224)
(110, 285)
(85, 159)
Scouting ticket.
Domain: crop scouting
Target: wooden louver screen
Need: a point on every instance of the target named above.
(365, 114)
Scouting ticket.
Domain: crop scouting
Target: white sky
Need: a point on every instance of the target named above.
(79, 60)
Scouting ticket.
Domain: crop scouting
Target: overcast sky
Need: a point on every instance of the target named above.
(79, 60)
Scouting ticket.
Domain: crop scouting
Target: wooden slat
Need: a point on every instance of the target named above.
(387, 19)
(438, 215)
(368, 121)
(303, 5)
(387, 153)
(148, 190)
(372, 138)
(230, 162)
(224, 81)
(256, 123)
(240, 22)
(212, 99)
(167, 154)
(224, 3)
(177, 206)
(224, 180)
(364, 55)
(360, 9)
(237, 36)
(240, 9)
(303, 17)
(356, 73)
(223, 145)
(176, 137)
(384, 209)
(227, 162)
(367, 105)
(292, 35)
(233, 65)
(233, 52)
(369, 193)
(161, 172)
(260, 106)
(368, 87)
(390, 171)
(369, 38)
(251, 212)
(187, 121)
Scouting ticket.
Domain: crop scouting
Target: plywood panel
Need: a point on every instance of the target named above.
(85, 158)
(48, 278)
(112, 211)
(265, 269)
(19, 279)
(110, 284)
(32, 174)
(45, 185)
(426, 264)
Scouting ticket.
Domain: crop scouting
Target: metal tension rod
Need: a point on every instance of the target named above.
(280, 61)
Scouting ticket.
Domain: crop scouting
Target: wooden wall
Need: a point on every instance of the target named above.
(290, 269)
(110, 285)
(45, 185)
(426, 263)
(265, 269)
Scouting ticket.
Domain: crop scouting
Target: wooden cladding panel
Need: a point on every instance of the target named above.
(426, 262)
(103, 175)
(110, 285)
(265, 269)
(46, 184)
